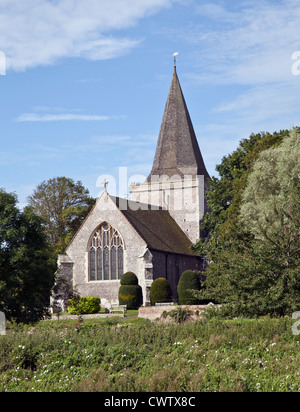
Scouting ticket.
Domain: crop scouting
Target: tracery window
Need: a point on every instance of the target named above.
(106, 254)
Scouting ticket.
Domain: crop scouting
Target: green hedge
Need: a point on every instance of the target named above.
(160, 291)
(189, 280)
(84, 306)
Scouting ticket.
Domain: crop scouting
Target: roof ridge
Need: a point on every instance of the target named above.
(149, 205)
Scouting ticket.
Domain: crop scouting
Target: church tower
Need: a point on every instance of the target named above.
(178, 180)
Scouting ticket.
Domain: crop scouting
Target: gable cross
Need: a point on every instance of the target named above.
(105, 183)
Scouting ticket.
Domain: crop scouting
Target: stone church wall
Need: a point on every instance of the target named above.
(171, 266)
(134, 246)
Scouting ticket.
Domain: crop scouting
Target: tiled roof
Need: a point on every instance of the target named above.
(177, 151)
(158, 229)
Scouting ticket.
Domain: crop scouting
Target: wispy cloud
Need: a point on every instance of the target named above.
(35, 117)
(107, 143)
(31, 156)
(247, 48)
(39, 32)
(248, 45)
(61, 114)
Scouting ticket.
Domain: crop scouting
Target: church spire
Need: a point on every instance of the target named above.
(177, 152)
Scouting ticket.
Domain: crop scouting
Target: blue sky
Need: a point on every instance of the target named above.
(87, 81)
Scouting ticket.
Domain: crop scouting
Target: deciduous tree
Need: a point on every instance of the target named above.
(255, 267)
(224, 195)
(26, 274)
(63, 204)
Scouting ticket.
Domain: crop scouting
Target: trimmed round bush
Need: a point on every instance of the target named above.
(160, 291)
(130, 293)
(129, 278)
(131, 296)
(188, 281)
(84, 306)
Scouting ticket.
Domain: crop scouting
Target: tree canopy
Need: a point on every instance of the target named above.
(26, 274)
(271, 200)
(225, 194)
(63, 204)
(254, 244)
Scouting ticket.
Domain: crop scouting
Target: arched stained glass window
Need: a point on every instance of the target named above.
(106, 252)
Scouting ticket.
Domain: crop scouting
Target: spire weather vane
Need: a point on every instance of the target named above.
(175, 58)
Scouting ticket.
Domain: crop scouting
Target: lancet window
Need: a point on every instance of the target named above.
(106, 254)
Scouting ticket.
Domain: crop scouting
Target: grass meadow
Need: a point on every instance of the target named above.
(135, 355)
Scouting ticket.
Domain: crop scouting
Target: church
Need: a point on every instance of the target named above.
(152, 232)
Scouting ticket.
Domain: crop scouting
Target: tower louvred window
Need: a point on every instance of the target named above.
(106, 254)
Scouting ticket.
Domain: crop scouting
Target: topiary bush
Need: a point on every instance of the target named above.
(84, 306)
(130, 293)
(129, 278)
(189, 280)
(160, 291)
(131, 296)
